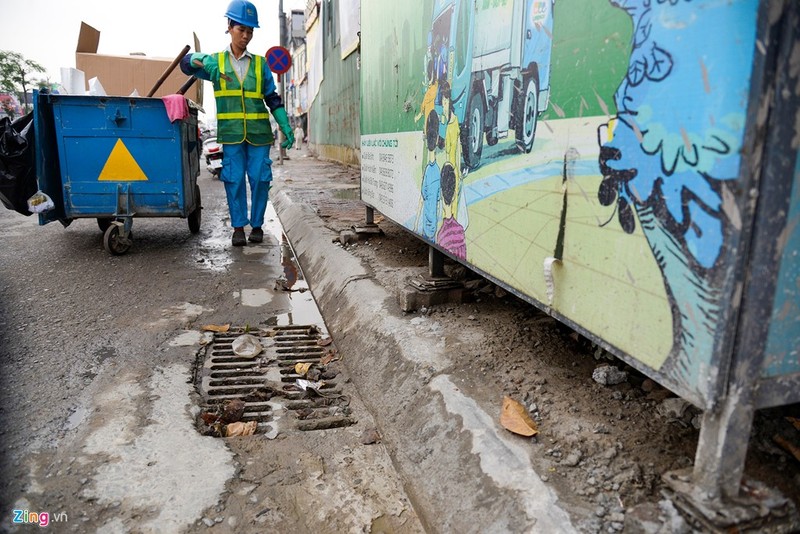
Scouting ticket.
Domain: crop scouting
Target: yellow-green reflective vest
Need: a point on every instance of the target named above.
(241, 112)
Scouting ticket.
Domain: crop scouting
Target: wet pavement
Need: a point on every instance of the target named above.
(101, 360)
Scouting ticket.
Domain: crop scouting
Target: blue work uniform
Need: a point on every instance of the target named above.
(245, 153)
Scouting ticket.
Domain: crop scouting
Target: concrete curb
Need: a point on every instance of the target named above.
(461, 470)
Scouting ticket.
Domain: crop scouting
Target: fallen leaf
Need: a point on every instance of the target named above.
(795, 422)
(324, 342)
(303, 413)
(241, 429)
(302, 368)
(789, 447)
(329, 357)
(514, 417)
(221, 328)
(306, 385)
(209, 418)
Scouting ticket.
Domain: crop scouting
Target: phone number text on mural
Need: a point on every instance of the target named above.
(382, 143)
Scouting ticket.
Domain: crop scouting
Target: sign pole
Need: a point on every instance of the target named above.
(283, 95)
(280, 61)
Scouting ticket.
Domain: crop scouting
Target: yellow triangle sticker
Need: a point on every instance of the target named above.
(121, 167)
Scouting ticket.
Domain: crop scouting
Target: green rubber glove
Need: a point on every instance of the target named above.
(209, 64)
(283, 123)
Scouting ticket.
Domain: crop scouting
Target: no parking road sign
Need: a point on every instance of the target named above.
(278, 59)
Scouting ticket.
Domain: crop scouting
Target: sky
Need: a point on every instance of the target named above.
(46, 31)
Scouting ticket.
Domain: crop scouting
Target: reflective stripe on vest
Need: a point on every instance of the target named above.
(241, 112)
(224, 91)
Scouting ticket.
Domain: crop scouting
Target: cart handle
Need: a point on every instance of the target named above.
(169, 70)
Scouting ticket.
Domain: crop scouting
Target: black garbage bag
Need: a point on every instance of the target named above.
(17, 163)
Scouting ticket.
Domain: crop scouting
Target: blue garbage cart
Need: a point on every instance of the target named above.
(116, 158)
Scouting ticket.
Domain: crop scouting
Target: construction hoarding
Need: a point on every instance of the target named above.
(599, 159)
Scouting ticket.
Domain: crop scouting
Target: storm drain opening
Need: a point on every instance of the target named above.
(268, 381)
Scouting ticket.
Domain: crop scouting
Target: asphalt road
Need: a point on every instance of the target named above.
(97, 405)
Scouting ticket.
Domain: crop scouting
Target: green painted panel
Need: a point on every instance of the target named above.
(334, 114)
(584, 153)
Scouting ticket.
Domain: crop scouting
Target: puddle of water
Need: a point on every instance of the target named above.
(252, 249)
(272, 224)
(304, 308)
(76, 418)
(214, 254)
(304, 311)
(255, 298)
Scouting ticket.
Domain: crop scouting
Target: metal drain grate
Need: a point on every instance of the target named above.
(268, 383)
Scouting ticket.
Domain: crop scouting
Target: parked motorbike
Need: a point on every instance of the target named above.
(212, 151)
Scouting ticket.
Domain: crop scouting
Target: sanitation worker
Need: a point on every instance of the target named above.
(243, 90)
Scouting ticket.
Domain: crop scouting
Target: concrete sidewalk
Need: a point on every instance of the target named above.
(461, 469)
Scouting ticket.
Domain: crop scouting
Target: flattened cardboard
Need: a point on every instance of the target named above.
(121, 75)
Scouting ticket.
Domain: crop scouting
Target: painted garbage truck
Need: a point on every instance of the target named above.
(656, 213)
(495, 56)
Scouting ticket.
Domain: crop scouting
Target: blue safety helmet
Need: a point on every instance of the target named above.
(243, 12)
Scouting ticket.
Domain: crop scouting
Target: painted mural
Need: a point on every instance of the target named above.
(583, 152)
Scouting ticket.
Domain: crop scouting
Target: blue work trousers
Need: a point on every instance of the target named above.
(237, 161)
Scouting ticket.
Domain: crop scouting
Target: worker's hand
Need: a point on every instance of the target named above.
(283, 122)
(289, 142)
(211, 66)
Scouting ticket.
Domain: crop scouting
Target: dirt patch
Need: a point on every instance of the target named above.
(607, 432)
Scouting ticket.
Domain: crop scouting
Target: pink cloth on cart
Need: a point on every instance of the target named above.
(177, 108)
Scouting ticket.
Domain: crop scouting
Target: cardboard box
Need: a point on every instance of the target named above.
(120, 75)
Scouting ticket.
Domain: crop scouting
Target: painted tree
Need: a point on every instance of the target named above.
(17, 74)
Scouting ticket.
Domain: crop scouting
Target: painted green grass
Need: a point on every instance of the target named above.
(608, 278)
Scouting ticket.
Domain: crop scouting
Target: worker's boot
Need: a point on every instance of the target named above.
(256, 235)
(238, 239)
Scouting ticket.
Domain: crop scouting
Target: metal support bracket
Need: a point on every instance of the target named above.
(369, 227)
(757, 508)
(427, 284)
(124, 210)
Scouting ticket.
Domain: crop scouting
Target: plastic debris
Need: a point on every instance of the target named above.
(246, 346)
(220, 328)
(272, 433)
(514, 417)
(40, 202)
(302, 368)
(307, 384)
(241, 429)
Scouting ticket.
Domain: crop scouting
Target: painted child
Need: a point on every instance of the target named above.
(428, 211)
(451, 234)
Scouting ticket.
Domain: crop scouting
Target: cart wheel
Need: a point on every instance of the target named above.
(115, 243)
(103, 223)
(196, 215)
